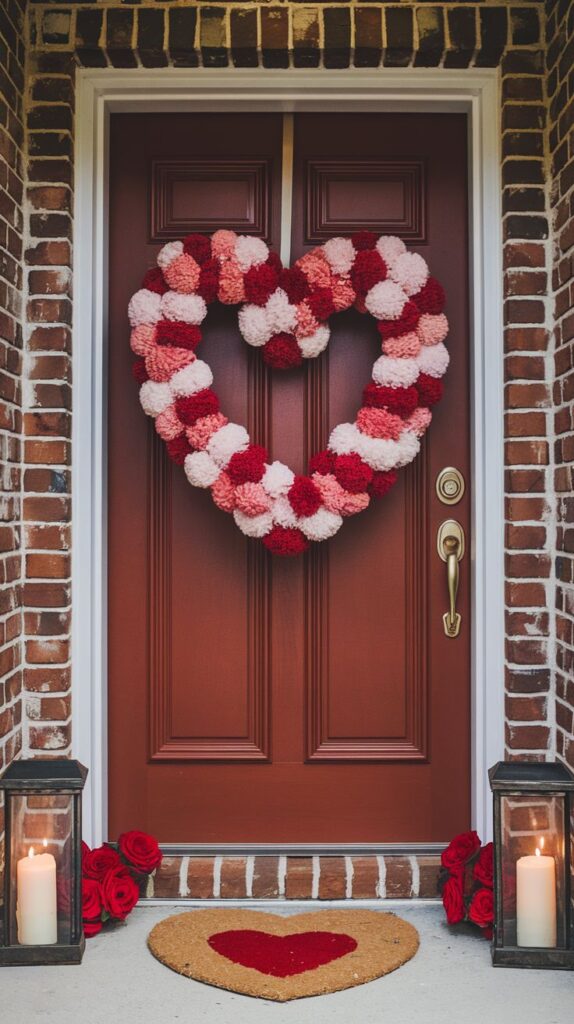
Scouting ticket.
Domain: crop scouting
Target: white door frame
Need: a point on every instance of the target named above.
(102, 91)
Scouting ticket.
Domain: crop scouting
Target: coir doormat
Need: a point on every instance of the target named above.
(275, 957)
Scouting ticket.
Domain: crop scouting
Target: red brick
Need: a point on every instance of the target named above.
(233, 878)
(200, 877)
(265, 884)
(399, 880)
(365, 878)
(299, 878)
(332, 878)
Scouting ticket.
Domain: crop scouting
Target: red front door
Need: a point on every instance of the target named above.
(254, 699)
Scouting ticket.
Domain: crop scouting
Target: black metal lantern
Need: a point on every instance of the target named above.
(533, 851)
(41, 919)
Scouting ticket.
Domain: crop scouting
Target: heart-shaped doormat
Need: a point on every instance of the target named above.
(274, 957)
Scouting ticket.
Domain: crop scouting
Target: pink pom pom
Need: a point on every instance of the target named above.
(316, 269)
(307, 324)
(182, 274)
(379, 423)
(203, 429)
(432, 329)
(142, 339)
(162, 363)
(336, 499)
(168, 425)
(223, 244)
(419, 421)
(231, 285)
(405, 346)
(223, 493)
(252, 499)
(343, 293)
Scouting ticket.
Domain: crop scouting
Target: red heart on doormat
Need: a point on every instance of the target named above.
(281, 955)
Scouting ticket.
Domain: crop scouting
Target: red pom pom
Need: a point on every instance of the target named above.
(352, 473)
(178, 334)
(154, 281)
(248, 466)
(282, 352)
(368, 269)
(178, 449)
(382, 482)
(208, 280)
(274, 261)
(295, 284)
(405, 323)
(402, 401)
(429, 389)
(260, 283)
(431, 298)
(321, 303)
(193, 407)
(139, 371)
(198, 246)
(304, 497)
(364, 240)
(322, 462)
(286, 542)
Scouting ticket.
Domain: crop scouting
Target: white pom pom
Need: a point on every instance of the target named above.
(410, 271)
(433, 360)
(390, 248)
(344, 439)
(192, 378)
(340, 254)
(250, 252)
(315, 343)
(168, 253)
(155, 397)
(408, 448)
(395, 373)
(226, 442)
(277, 479)
(322, 525)
(191, 309)
(254, 325)
(379, 453)
(253, 526)
(385, 300)
(144, 308)
(281, 315)
(284, 514)
(200, 470)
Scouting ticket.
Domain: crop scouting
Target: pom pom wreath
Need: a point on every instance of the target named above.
(197, 246)
(250, 252)
(200, 470)
(307, 324)
(382, 483)
(433, 360)
(277, 479)
(162, 363)
(386, 300)
(209, 281)
(189, 308)
(168, 424)
(380, 423)
(401, 401)
(204, 428)
(231, 288)
(154, 397)
(431, 298)
(294, 284)
(379, 453)
(321, 303)
(145, 307)
(322, 525)
(316, 269)
(419, 421)
(253, 526)
(395, 373)
(410, 271)
(406, 323)
(407, 346)
(142, 339)
(139, 371)
(352, 473)
(322, 462)
(254, 325)
(432, 329)
(169, 252)
(252, 499)
(367, 271)
(154, 281)
(193, 407)
(303, 496)
(182, 274)
(223, 243)
(336, 498)
(409, 447)
(223, 493)
(248, 465)
(282, 352)
(178, 449)
(340, 254)
(193, 378)
(364, 240)
(344, 439)
(283, 513)
(316, 343)
(285, 542)
(260, 283)
(429, 389)
(226, 442)
(343, 294)
(281, 314)
(390, 248)
(178, 334)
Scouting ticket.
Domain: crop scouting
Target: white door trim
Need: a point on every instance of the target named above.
(101, 91)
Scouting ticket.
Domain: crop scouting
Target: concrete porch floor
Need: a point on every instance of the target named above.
(450, 979)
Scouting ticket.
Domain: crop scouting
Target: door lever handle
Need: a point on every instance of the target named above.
(450, 546)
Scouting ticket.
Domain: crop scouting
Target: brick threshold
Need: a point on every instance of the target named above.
(295, 877)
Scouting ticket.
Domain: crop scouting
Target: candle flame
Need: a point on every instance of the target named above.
(537, 852)
(31, 851)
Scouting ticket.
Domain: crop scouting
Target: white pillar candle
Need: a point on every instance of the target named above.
(536, 901)
(37, 911)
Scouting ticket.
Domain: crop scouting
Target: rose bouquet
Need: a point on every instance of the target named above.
(113, 879)
(466, 881)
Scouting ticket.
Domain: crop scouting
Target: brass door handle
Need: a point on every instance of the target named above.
(450, 546)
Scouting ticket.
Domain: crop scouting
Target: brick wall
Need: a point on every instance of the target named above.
(11, 229)
(560, 61)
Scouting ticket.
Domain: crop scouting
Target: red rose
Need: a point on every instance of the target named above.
(140, 850)
(120, 892)
(481, 909)
(484, 867)
(452, 899)
(460, 850)
(99, 861)
(91, 907)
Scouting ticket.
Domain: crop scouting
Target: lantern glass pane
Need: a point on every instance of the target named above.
(533, 884)
(42, 831)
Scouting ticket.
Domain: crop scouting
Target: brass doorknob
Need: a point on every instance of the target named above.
(450, 547)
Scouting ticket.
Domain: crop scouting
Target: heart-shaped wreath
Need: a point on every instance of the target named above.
(285, 312)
